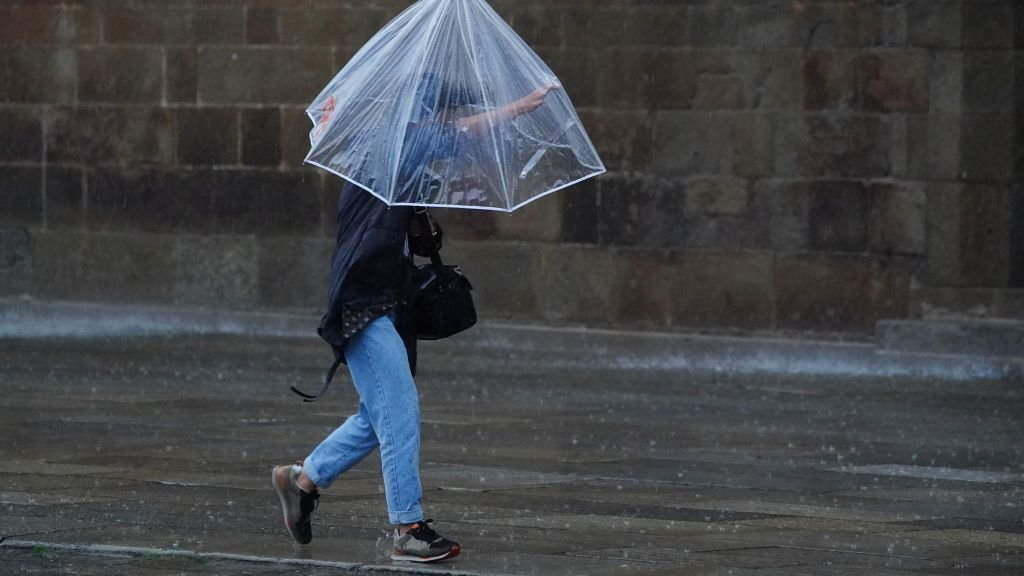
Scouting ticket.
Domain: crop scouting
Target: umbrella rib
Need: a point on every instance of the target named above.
(470, 49)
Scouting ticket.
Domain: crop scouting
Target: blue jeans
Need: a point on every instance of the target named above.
(388, 416)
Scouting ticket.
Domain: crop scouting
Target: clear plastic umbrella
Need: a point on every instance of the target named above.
(448, 106)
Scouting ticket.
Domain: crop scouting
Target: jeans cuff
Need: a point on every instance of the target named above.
(409, 517)
(313, 473)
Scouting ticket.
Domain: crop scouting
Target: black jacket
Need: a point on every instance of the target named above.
(372, 268)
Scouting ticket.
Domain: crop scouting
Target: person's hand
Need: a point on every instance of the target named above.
(534, 99)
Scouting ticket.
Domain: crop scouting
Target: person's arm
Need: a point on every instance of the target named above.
(478, 123)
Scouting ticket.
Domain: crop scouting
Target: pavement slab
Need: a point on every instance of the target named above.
(151, 456)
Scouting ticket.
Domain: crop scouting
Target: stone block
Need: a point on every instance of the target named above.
(944, 229)
(898, 219)
(41, 74)
(968, 235)
(771, 79)
(933, 146)
(56, 264)
(934, 23)
(1011, 304)
(340, 56)
(894, 81)
(260, 75)
(65, 198)
(946, 81)
(150, 25)
(870, 24)
(720, 92)
(766, 26)
(588, 26)
(581, 213)
(899, 149)
(1016, 219)
(641, 78)
(295, 127)
(576, 284)
(834, 145)
(293, 272)
(789, 212)
(642, 211)
(712, 25)
(503, 276)
(261, 137)
(828, 80)
(985, 235)
(723, 290)
(121, 268)
(45, 23)
(749, 230)
(708, 232)
(221, 271)
(825, 215)
(580, 71)
(717, 196)
(219, 24)
(15, 260)
(266, 203)
(130, 75)
(687, 143)
(848, 293)
(23, 135)
(329, 200)
(987, 146)
(538, 25)
(99, 135)
(933, 302)
(838, 216)
(645, 288)
(173, 25)
(988, 84)
(330, 26)
(622, 138)
(538, 221)
(149, 200)
(21, 197)
(1018, 25)
(988, 24)
(180, 77)
(656, 25)
(207, 136)
(261, 25)
(126, 269)
(467, 225)
(975, 337)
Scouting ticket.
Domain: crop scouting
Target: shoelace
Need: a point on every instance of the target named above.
(423, 531)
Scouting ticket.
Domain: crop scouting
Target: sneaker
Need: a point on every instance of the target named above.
(421, 544)
(297, 505)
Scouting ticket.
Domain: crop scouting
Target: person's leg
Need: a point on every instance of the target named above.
(379, 365)
(341, 450)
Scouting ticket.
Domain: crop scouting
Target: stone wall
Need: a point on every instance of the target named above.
(774, 165)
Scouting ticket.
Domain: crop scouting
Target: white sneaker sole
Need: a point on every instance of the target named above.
(281, 499)
(422, 559)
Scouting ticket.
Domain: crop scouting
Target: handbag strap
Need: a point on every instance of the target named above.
(328, 378)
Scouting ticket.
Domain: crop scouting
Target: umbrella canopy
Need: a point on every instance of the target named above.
(448, 106)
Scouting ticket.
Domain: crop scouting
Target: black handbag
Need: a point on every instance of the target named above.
(442, 300)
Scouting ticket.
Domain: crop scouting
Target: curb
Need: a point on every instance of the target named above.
(552, 347)
(135, 551)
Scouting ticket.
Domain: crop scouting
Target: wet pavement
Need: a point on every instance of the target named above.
(152, 456)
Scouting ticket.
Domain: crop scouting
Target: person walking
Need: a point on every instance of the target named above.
(370, 327)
